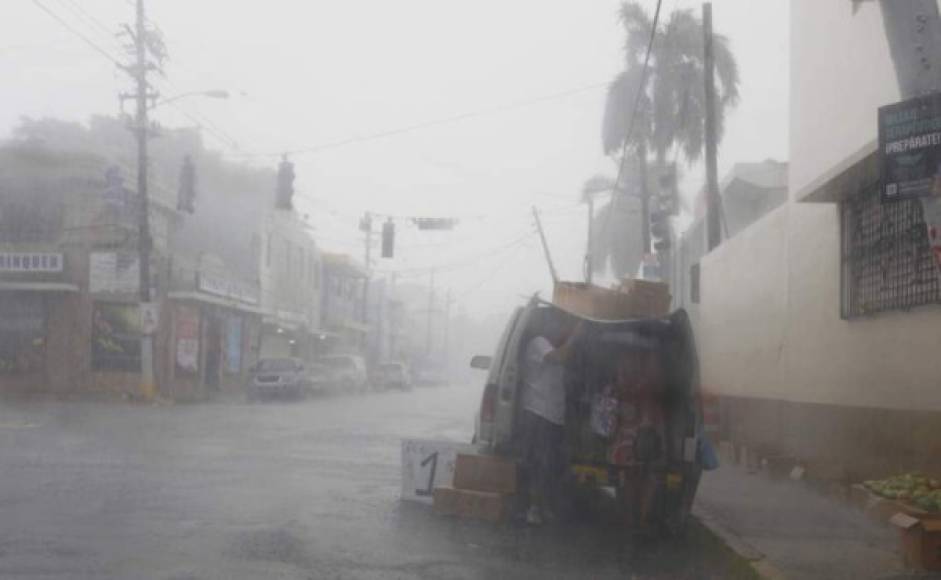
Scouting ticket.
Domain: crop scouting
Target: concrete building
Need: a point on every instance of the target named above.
(819, 323)
(748, 192)
(291, 269)
(344, 317)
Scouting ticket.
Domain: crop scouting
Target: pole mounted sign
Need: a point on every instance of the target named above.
(910, 148)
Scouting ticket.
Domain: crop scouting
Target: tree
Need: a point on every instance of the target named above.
(670, 98)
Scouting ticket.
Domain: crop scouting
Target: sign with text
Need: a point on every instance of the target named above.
(113, 273)
(228, 288)
(910, 148)
(30, 262)
(428, 464)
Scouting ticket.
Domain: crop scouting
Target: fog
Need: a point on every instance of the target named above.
(333, 75)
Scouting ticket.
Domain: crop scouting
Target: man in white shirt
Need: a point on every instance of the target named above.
(543, 418)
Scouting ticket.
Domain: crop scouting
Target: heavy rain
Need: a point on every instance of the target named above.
(424, 290)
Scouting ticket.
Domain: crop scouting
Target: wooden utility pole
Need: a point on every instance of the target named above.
(367, 226)
(431, 307)
(588, 246)
(713, 234)
(144, 245)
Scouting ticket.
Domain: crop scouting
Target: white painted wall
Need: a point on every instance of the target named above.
(840, 73)
(769, 323)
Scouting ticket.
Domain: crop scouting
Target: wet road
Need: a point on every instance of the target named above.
(306, 490)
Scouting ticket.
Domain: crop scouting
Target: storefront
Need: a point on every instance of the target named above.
(35, 305)
(213, 340)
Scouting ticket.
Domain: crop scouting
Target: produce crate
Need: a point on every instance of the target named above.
(637, 299)
(921, 541)
(465, 503)
(485, 473)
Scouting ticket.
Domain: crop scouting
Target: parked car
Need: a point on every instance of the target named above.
(431, 377)
(394, 375)
(345, 372)
(667, 453)
(279, 377)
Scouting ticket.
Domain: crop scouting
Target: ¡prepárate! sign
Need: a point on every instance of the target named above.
(910, 148)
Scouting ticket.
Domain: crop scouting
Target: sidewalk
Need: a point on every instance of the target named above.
(789, 530)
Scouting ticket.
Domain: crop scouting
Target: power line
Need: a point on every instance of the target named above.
(77, 33)
(435, 122)
(630, 127)
(88, 17)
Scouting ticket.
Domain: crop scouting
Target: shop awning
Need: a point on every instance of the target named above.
(37, 287)
(214, 300)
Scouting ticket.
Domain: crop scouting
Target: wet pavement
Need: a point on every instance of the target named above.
(276, 490)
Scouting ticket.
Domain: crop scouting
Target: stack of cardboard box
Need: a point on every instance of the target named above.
(483, 488)
(631, 299)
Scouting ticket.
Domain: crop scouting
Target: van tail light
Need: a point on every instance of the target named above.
(488, 405)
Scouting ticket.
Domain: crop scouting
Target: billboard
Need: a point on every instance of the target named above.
(910, 148)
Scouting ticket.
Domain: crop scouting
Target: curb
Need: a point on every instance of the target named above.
(742, 549)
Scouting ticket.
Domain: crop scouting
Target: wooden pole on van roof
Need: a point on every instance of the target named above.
(545, 246)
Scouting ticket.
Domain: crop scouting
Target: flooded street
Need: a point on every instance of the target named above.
(276, 490)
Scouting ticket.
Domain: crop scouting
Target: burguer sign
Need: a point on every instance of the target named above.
(910, 148)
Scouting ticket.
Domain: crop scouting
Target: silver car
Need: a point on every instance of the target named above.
(279, 377)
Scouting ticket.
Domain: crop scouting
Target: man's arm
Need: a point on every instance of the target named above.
(565, 352)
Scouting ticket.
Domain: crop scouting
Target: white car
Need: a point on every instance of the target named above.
(346, 372)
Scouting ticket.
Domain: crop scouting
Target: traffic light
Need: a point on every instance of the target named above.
(285, 191)
(388, 239)
(660, 229)
(668, 193)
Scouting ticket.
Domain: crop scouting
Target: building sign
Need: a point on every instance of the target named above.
(30, 262)
(113, 273)
(227, 288)
(187, 340)
(910, 148)
(116, 336)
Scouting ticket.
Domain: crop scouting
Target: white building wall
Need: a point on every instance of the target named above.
(770, 323)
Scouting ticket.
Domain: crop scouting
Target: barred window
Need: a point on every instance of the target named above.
(887, 263)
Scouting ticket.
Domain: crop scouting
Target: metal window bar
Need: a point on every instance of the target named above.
(886, 260)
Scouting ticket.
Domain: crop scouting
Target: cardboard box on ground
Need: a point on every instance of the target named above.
(485, 473)
(631, 299)
(921, 541)
(483, 488)
(466, 503)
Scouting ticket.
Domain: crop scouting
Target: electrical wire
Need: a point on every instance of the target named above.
(630, 126)
(434, 123)
(97, 48)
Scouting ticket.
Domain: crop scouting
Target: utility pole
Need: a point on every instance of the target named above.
(447, 332)
(713, 235)
(588, 251)
(141, 129)
(644, 199)
(367, 227)
(431, 306)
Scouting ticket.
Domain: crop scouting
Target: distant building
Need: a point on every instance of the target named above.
(748, 192)
(344, 318)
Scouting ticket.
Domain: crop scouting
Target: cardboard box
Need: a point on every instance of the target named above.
(485, 473)
(464, 503)
(921, 541)
(634, 299)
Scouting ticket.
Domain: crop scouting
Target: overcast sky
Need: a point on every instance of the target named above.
(306, 74)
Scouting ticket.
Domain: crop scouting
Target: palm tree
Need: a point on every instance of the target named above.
(670, 114)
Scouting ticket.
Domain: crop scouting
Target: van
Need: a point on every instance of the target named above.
(601, 452)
